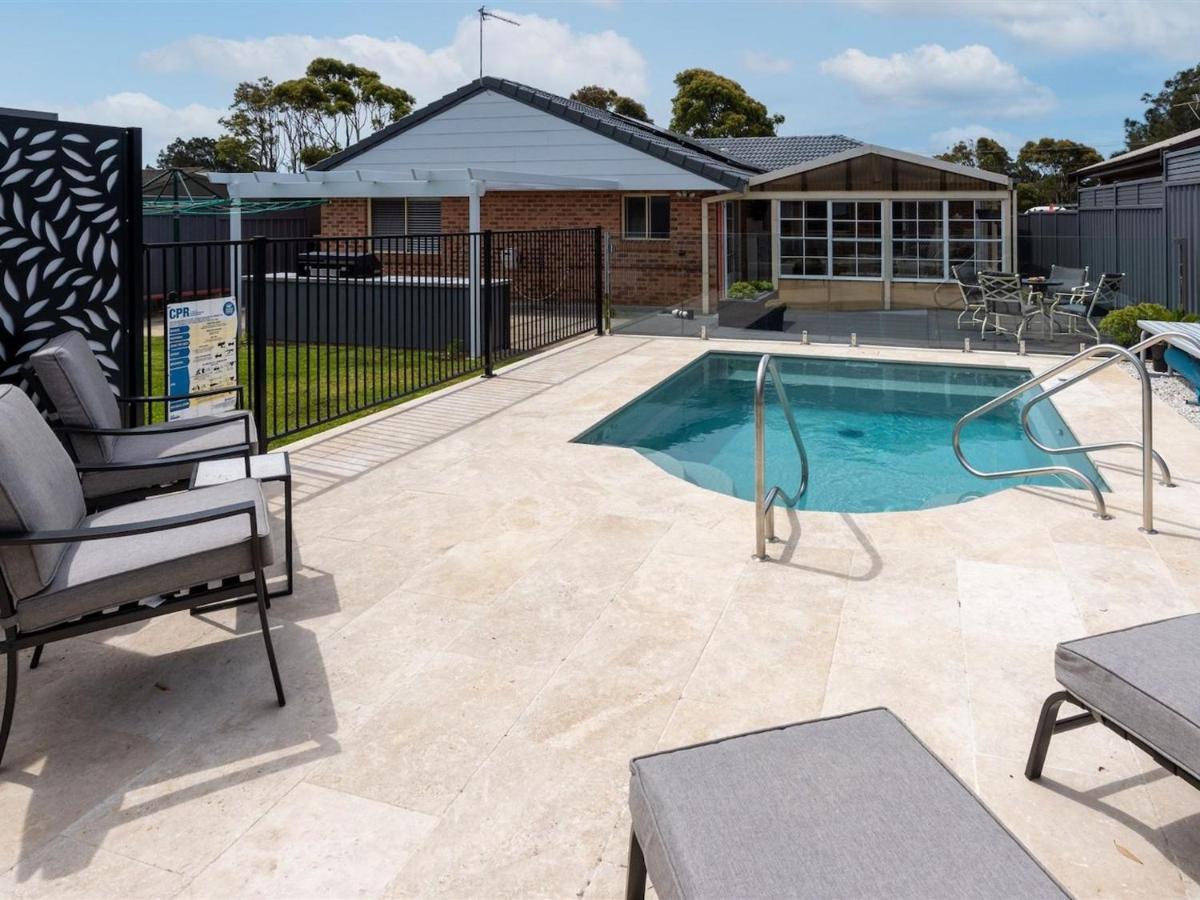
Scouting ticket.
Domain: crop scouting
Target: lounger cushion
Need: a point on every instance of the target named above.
(222, 431)
(73, 380)
(1144, 679)
(96, 575)
(853, 806)
(39, 491)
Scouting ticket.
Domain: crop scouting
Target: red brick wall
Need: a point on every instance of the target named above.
(643, 272)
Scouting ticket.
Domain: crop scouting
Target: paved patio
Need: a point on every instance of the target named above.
(489, 621)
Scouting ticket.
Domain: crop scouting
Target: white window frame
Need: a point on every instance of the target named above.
(829, 238)
(645, 197)
(778, 198)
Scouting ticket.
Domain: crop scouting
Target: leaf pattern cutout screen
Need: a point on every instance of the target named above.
(64, 203)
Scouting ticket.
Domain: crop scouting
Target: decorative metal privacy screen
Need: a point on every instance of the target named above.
(70, 238)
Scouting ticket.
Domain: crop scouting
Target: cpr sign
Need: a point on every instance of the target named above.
(202, 354)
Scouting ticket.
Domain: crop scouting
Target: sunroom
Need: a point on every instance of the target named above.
(868, 229)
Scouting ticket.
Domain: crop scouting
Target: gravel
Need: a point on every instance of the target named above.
(1173, 391)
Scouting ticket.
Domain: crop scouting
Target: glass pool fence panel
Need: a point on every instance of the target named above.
(329, 327)
(654, 284)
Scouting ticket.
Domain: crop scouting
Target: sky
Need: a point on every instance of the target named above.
(910, 74)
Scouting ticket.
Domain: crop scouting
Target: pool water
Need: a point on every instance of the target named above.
(877, 433)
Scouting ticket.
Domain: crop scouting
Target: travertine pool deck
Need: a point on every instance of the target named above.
(490, 621)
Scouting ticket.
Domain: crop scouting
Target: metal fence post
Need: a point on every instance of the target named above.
(485, 298)
(598, 253)
(258, 335)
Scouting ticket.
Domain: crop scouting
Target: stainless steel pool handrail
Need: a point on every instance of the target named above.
(1149, 457)
(1136, 349)
(764, 500)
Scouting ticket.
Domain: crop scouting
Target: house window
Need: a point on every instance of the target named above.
(929, 237)
(830, 239)
(406, 216)
(647, 217)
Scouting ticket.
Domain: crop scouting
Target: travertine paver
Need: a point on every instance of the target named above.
(490, 620)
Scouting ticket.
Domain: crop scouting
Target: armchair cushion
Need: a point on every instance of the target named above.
(73, 380)
(99, 574)
(223, 431)
(39, 491)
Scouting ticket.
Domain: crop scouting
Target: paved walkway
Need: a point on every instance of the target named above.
(490, 620)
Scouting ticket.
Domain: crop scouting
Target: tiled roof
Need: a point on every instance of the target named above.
(772, 153)
(690, 154)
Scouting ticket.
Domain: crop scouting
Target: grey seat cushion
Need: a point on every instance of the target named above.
(73, 380)
(39, 491)
(95, 575)
(1145, 679)
(852, 806)
(222, 431)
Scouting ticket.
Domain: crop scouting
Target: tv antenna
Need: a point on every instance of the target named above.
(485, 14)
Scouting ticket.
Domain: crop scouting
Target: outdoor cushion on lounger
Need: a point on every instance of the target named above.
(1144, 680)
(851, 806)
(72, 378)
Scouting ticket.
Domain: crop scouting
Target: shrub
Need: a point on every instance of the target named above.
(748, 290)
(1121, 324)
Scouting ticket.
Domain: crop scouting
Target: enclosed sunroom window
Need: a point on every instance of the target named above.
(929, 237)
(830, 239)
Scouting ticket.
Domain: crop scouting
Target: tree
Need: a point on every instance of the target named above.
(982, 153)
(710, 105)
(1043, 166)
(1172, 111)
(223, 154)
(610, 101)
(357, 99)
(189, 153)
(253, 120)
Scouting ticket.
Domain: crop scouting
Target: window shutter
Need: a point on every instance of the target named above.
(387, 217)
(425, 216)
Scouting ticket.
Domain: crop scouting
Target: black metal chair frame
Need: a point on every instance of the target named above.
(972, 298)
(1049, 725)
(133, 611)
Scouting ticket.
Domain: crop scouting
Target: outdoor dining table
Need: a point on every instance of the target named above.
(1039, 293)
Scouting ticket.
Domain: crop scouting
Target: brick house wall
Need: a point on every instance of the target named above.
(642, 272)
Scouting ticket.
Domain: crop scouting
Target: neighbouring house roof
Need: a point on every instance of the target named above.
(1149, 156)
(771, 153)
(687, 153)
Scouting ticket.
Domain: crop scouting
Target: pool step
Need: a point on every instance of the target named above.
(698, 473)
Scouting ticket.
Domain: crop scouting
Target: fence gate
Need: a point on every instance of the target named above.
(70, 243)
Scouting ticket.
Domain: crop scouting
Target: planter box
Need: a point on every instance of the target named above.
(752, 314)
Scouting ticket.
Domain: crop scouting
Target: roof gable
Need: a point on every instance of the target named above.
(675, 150)
(873, 149)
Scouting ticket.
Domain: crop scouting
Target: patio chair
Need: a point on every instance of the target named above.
(1072, 283)
(1139, 682)
(849, 806)
(118, 462)
(1080, 307)
(967, 280)
(1003, 299)
(64, 573)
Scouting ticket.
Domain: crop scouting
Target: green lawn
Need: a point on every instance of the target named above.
(306, 383)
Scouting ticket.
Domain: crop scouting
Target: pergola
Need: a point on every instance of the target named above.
(469, 182)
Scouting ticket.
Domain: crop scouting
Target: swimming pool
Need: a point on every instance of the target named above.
(877, 433)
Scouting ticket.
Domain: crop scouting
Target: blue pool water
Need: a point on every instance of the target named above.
(877, 433)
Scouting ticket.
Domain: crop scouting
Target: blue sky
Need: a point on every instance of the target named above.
(911, 74)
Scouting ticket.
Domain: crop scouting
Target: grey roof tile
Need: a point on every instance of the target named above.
(772, 153)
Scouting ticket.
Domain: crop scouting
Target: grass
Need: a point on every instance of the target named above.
(307, 382)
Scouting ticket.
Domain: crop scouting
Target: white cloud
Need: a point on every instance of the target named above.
(930, 75)
(542, 51)
(765, 63)
(1163, 27)
(948, 137)
(159, 122)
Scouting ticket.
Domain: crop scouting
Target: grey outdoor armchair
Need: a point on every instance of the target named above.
(65, 573)
(967, 279)
(116, 461)
(1005, 304)
(1083, 305)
